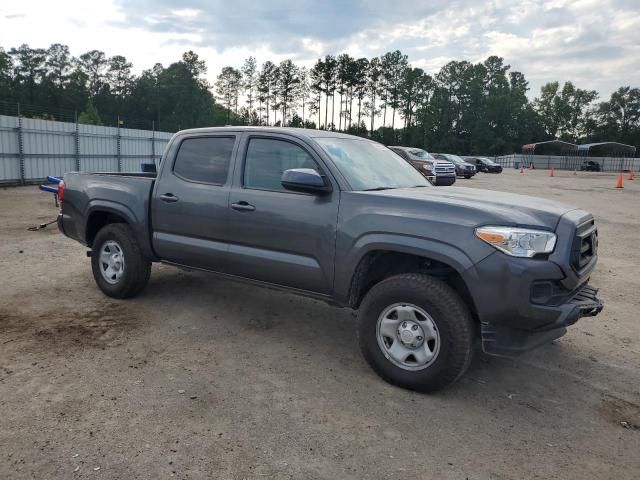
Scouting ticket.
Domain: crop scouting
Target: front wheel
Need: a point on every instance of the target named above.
(416, 332)
(119, 267)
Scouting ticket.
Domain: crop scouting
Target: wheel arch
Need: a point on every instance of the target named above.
(102, 213)
(381, 261)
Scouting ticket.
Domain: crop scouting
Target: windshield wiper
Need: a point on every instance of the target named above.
(377, 189)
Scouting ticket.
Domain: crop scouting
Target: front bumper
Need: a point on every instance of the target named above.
(465, 172)
(522, 303)
(508, 341)
(445, 181)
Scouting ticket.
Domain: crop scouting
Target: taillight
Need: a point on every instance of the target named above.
(60, 193)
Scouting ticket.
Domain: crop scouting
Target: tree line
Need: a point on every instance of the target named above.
(104, 91)
(466, 108)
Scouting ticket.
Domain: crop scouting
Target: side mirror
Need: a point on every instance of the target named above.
(304, 180)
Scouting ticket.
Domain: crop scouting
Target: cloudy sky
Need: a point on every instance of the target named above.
(594, 43)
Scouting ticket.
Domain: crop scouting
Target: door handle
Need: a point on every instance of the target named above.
(243, 206)
(169, 198)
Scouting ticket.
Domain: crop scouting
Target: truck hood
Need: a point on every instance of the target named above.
(481, 207)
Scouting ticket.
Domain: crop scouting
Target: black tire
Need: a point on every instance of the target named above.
(467, 177)
(452, 320)
(137, 267)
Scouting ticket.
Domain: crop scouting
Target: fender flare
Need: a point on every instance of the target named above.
(434, 249)
(112, 207)
(138, 226)
(442, 252)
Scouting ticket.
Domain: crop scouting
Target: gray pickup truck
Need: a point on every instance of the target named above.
(345, 220)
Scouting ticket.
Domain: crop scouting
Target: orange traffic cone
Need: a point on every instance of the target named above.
(552, 173)
(630, 176)
(521, 170)
(619, 185)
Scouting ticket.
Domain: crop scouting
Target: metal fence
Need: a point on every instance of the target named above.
(559, 162)
(31, 149)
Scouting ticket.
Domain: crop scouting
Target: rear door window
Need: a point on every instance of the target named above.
(205, 159)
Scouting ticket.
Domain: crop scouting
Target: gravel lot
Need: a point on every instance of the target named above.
(203, 378)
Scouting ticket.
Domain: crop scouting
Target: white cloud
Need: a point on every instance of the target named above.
(594, 43)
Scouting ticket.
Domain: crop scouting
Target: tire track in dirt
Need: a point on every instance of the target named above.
(99, 326)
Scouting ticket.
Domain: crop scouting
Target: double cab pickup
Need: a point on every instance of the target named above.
(346, 220)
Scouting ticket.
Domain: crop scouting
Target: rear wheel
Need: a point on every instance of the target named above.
(416, 332)
(119, 267)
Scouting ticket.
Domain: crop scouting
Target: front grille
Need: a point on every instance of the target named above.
(585, 245)
(444, 169)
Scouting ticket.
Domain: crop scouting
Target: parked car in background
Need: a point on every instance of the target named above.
(463, 168)
(443, 171)
(590, 166)
(484, 164)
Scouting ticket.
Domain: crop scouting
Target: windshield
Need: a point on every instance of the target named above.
(487, 161)
(420, 155)
(451, 158)
(368, 165)
(454, 158)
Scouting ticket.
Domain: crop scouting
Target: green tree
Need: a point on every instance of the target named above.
(343, 72)
(315, 82)
(90, 115)
(374, 76)
(394, 63)
(265, 82)
(195, 66)
(28, 70)
(228, 86)
(329, 79)
(185, 101)
(564, 111)
(361, 68)
(413, 92)
(93, 65)
(58, 64)
(5, 75)
(619, 117)
(304, 91)
(250, 80)
(288, 84)
(266, 87)
(119, 76)
(323, 74)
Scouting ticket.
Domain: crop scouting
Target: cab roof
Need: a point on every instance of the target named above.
(405, 148)
(305, 133)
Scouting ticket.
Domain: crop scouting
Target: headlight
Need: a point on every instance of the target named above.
(518, 242)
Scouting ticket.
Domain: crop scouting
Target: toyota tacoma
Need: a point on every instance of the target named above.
(345, 220)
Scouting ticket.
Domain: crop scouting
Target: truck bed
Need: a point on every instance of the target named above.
(125, 195)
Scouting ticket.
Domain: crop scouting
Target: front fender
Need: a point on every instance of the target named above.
(427, 248)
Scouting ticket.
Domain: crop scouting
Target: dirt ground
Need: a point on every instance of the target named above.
(204, 378)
